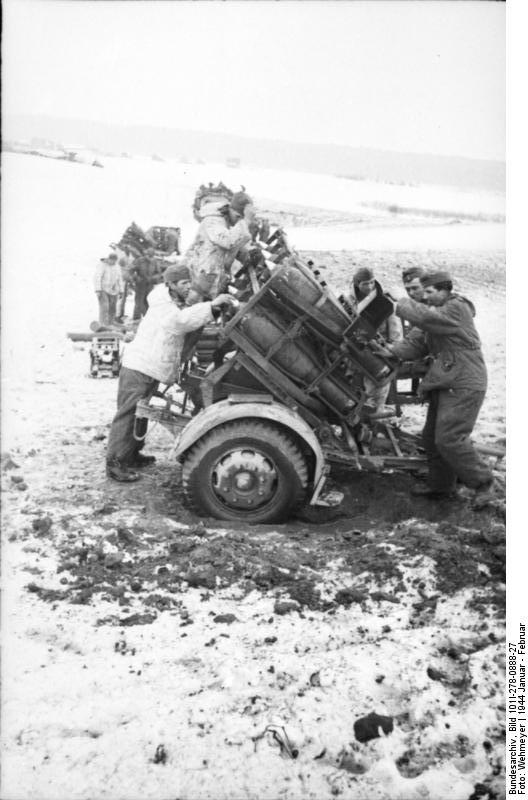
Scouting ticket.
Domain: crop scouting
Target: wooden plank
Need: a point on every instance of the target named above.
(394, 441)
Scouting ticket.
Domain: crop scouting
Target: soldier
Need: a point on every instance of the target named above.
(222, 234)
(412, 283)
(153, 357)
(363, 283)
(108, 288)
(145, 274)
(455, 386)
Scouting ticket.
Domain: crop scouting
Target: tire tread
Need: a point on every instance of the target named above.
(237, 429)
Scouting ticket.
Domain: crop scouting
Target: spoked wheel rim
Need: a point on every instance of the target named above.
(244, 479)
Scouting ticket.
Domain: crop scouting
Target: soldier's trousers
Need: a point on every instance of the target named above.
(107, 308)
(140, 300)
(376, 395)
(133, 386)
(120, 311)
(451, 416)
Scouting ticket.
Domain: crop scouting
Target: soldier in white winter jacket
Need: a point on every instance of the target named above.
(108, 285)
(153, 357)
(221, 237)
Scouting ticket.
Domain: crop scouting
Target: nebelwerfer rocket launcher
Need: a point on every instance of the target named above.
(282, 395)
(294, 338)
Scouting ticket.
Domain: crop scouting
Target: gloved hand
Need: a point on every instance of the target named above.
(223, 283)
(225, 300)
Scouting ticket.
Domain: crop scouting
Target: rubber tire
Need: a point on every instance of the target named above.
(270, 440)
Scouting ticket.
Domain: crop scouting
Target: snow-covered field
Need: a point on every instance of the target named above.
(90, 693)
(59, 218)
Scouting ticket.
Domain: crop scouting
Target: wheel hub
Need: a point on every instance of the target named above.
(245, 479)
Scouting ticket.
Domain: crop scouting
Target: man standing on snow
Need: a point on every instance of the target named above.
(455, 385)
(108, 288)
(222, 234)
(153, 357)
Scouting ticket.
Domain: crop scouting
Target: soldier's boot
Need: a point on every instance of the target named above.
(140, 460)
(485, 495)
(121, 472)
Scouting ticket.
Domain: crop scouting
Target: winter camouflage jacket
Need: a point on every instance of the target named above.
(156, 349)
(108, 277)
(215, 248)
(446, 334)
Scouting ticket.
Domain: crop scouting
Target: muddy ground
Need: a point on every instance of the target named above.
(150, 648)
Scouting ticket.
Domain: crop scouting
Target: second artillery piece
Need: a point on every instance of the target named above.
(164, 239)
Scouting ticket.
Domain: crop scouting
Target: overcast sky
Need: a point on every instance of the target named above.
(411, 75)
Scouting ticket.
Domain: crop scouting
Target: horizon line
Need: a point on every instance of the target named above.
(248, 137)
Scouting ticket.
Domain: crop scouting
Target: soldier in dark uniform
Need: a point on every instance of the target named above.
(145, 274)
(455, 386)
(412, 283)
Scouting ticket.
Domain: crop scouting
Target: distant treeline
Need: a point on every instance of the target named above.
(363, 163)
(479, 216)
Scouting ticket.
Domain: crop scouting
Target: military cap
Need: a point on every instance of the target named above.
(239, 201)
(411, 273)
(433, 278)
(177, 272)
(363, 274)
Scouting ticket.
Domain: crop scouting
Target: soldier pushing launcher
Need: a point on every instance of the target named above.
(153, 358)
(455, 385)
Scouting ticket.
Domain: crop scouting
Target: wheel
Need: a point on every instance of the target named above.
(246, 470)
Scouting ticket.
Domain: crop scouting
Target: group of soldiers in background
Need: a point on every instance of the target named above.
(135, 264)
(138, 261)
